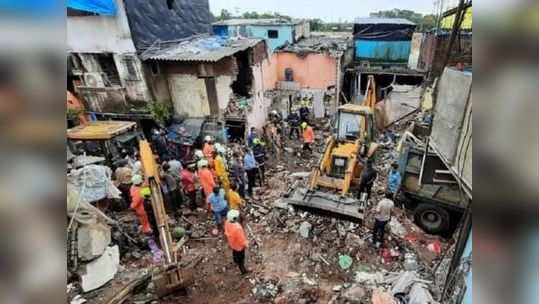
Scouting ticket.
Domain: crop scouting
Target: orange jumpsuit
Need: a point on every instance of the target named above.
(208, 153)
(308, 135)
(221, 173)
(137, 203)
(207, 181)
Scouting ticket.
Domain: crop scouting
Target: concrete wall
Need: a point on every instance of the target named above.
(135, 89)
(100, 34)
(224, 91)
(189, 95)
(315, 71)
(261, 105)
(261, 31)
(415, 50)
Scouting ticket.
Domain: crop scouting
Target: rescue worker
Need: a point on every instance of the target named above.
(208, 149)
(147, 196)
(238, 173)
(259, 152)
(304, 111)
(381, 218)
(250, 166)
(234, 199)
(219, 164)
(308, 137)
(137, 203)
(160, 144)
(206, 179)
(219, 205)
(294, 123)
(236, 239)
(199, 155)
(175, 169)
(394, 180)
(188, 179)
(123, 177)
(169, 187)
(251, 137)
(368, 176)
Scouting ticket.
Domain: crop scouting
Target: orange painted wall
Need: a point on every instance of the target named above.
(315, 71)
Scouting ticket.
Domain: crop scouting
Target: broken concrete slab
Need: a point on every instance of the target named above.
(379, 296)
(368, 278)
(419, 294)
(92, 240)
(302, 175)
(354, 294)
(305, 229)
(98, 272)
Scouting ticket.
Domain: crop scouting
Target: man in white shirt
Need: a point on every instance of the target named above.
(382, 217)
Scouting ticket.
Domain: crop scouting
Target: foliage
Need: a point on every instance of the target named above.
(160, 111)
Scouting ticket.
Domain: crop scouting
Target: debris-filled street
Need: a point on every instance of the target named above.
(263, 170)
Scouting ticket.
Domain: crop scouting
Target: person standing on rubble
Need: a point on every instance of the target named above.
(304, 111)
(381, 218)
(219, 205)
(294, 123)
(206, 180)
(188, 179)
(208, 149)
(220, 167)
(308, 137)
(148, 208)
(394, 180)
(137, 203)
(259, 152)
(169, 187)
(251, 137)
(160, 144)
(368, 176)
(238, 174)
(123, 176)
(249, 163)
(237, 241)
(233, 198)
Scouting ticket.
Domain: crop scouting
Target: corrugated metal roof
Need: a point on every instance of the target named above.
(200, 48)
(383, 21)
(257, 22)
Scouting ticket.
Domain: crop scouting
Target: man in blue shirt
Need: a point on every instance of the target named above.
(219, 205)
(394, 179)
(249, 163)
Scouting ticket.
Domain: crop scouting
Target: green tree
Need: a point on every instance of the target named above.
(316, 25)
(225, 15)
(423, 22)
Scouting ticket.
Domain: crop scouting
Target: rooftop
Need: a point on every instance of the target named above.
(319, 43)
(198, 48)
(375, 20)
(274, 21)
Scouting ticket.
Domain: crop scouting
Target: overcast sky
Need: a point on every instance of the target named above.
(327, 10)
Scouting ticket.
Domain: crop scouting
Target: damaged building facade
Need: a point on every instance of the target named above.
(213, 76)
(311, 70)
(104, 42)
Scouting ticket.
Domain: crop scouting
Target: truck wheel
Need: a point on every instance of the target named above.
(431, 218)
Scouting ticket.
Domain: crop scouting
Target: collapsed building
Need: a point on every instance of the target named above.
(213, 76)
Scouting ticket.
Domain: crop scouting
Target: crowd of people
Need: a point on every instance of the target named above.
(221, 179)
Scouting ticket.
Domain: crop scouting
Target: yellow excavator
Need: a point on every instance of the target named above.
(345, 153)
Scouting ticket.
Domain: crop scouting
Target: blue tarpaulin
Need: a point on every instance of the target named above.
(101, 7)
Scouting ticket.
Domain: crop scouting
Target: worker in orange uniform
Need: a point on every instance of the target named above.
(206, 179)
(208, 149)
(235, 236)
(137, 203)
(308, 137)
(219, 165)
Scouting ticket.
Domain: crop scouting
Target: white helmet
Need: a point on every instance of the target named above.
(232, 215)
(137, 179)
(220, 148)
(202, 163)
(207, 138)
(199, 154)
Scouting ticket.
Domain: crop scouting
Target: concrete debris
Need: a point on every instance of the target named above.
(300, 175)
(379, 296)
(92, 240)
(98, 272)
(370, 279)
(78, 300)
(419, 294)
(410, 262)
(354, 240)
(396, 227)
(93, 183)
(354, 294)
(305, 229)
(403, 282)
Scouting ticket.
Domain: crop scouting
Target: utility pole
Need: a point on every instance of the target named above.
(459, 16)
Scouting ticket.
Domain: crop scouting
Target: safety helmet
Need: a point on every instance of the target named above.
(202, 163)
(232, 215)
(256, 141)
(207, 138)
(220, 148)
(304, 125)
(146, 192)
(137, 179)
(199, 154)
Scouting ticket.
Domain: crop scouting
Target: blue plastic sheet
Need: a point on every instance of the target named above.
(101, 7)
